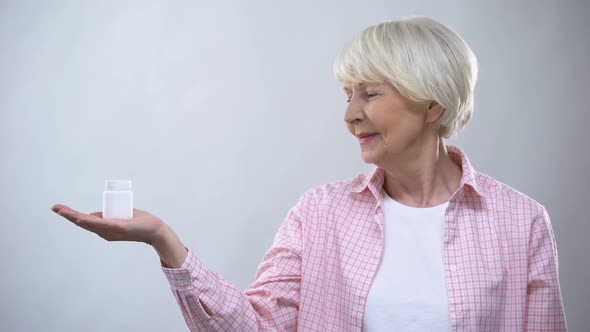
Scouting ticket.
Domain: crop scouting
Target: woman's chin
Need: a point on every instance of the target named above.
(369, 158)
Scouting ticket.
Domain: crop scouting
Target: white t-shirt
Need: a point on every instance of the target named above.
(409, 291)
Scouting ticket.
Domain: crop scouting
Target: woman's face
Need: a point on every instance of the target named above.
(395, 122)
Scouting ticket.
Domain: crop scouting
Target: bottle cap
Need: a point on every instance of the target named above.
(117, 185)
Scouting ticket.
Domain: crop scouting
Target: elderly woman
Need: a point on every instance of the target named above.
(421, 242)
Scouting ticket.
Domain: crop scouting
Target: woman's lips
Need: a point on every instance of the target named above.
(367, 138)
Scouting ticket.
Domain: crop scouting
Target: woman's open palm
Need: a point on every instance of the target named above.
(143, 227)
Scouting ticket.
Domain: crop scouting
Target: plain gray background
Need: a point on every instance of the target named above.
(223, 113)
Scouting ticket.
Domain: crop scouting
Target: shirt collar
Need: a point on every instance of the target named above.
(375, 178)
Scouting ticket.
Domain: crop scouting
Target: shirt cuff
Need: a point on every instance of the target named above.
(191, 269)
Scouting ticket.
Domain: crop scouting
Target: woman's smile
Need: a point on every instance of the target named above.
(367, 139)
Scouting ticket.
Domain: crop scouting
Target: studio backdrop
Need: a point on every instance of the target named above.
(223, 113)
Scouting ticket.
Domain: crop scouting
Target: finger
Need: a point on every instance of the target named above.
(90, 218)
(140, 213)
(97, 214)
(75, 216)
(57, 207)
(69, 214)
(62, 208)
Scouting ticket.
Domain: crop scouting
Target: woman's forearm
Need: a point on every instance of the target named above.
(171, 250)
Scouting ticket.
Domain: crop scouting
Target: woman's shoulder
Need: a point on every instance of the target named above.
(504, 195)
(339, 189)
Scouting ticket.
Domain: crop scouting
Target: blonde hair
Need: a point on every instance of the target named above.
(423, 59)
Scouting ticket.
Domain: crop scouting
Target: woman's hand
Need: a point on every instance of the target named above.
(143, 227)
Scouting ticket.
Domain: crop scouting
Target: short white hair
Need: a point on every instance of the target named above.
(423, 59)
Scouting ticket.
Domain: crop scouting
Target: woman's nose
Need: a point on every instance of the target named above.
(354, 111)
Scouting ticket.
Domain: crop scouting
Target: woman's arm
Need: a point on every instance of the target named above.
(544, 307)
(209, 303)
(171, 250)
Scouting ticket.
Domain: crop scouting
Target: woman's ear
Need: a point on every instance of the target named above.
(434, 111)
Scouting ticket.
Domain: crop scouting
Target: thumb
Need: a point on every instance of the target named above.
(140, 213)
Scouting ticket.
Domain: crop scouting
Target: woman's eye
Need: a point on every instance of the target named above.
(369, 96)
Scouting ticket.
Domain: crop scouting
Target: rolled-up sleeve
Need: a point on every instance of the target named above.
(544, 307)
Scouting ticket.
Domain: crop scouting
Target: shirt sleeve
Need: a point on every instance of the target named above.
(544, 307)
(209, 303)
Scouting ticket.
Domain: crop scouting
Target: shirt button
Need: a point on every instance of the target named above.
(451, 225)
(458, 313)
(453, 268)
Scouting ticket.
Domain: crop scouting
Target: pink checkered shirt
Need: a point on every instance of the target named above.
(499, 255)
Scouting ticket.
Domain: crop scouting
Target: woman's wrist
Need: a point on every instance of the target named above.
(171, 250)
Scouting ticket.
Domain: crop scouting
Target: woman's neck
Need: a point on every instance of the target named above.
(425, 177)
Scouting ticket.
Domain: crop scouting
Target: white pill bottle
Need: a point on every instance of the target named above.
(117, 199)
